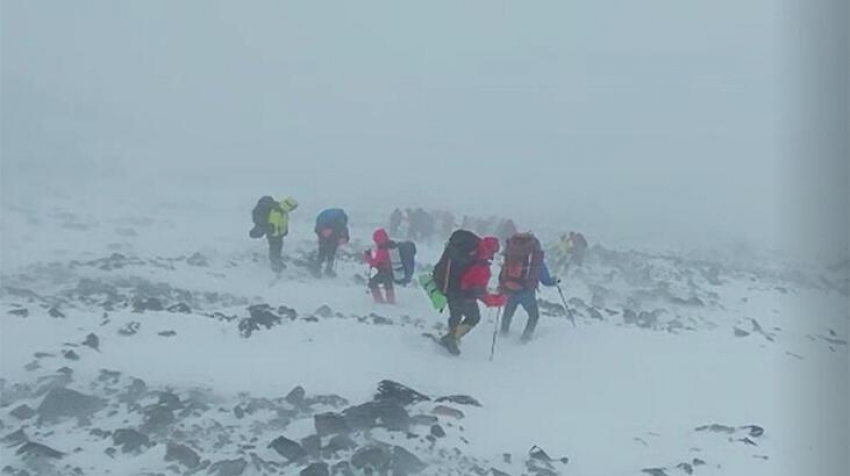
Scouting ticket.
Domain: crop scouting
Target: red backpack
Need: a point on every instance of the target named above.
(521, 268)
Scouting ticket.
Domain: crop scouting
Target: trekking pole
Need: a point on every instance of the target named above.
(566, 309)
(495, 332)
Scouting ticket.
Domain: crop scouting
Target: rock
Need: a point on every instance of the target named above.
(63, 402)
(296, 396)
(32, 450)
(312, 445)
(23, 412)
(92, 341)
(377, 414)
(70, 355)
(179, 308)
(380, 320)
(715, 428)
(55, 313)
(389, 391)
(261, 315)
(130, 440)
(147, 304)
(405, 462)
(330, 400)
(629, 316)
(437, 431)
(496, 472)
(232, 467)
(340, 442)
(20, 312)
(450, 412)
(287, 448)
(754, 430)
(316, 469)
(199, 260)
(686, 467)
(654, 471)
(130, 328)
(594, 313)
(170, 400)
(425, 420)
(740, 332)
(647, 320)
(167, 334)
(343, 468)
(157, 417)
(537, 453)
(330, 424)
(15, 438)
(183, 455)
(373, 457)
(324, 311)
(459, 400)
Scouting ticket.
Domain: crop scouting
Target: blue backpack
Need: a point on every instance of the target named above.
(331, 218)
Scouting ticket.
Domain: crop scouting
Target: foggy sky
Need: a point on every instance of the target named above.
(674, 116)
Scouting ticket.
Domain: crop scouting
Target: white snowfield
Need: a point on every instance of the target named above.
(752, 353)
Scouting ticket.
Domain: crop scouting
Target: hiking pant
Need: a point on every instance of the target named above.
(463, 311)
(275, 249)
(327, 252)
(382, 277)
(528, 301)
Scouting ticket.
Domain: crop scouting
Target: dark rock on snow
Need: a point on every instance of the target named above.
(460, 400)
(92, 341)
(232, 467)
(63, 402)
(183, 455)
(377, 414)
(287, 448)
(389, 391)
(37, 450)
(316, 469)
(130, 440)
(23, 412)
(330, 424)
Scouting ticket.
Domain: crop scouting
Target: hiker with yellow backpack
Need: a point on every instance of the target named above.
(271, 219)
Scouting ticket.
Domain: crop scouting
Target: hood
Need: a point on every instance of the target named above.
(380, 237)
(487, 248)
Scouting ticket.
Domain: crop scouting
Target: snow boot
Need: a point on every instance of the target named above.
(450, 342)
(376, 295)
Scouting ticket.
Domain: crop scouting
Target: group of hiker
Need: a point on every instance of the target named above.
(459, 279)
(419, 224)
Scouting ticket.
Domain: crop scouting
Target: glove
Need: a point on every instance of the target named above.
(494, 300)
(556, 280)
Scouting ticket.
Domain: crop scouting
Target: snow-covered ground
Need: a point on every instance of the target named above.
(676, 365)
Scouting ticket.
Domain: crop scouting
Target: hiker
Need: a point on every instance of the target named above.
(403, 261)
(505, 230)
(271, 219)
(332, 231)
(462, 274)
(396, 219)
(379, 259)
(447, 224)
(573, 246)
(523, 270)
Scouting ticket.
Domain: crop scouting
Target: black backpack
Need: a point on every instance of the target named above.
(260, 215)
(459, 254)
